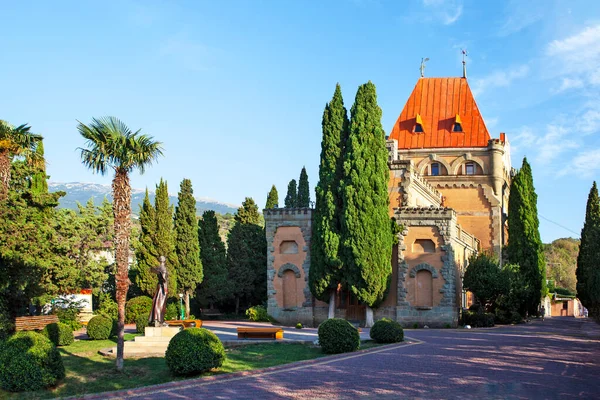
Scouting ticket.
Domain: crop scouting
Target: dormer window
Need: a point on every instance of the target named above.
(457, 127)
(418, 124)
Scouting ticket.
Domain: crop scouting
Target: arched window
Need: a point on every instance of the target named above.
(435, 169)
(289, 289)
(424, 286)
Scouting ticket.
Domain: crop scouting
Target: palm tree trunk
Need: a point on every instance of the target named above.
(4, 174)
(369, 318)
(122, 214)
(187, 305)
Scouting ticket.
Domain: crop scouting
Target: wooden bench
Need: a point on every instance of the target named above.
(211, 312)
(260, 333)
(186, 323)
(37, 322)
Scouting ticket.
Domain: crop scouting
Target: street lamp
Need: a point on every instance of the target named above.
(181, 315)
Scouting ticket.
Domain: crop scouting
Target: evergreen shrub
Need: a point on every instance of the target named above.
(60, 334)
(141, 305)
(337, 335)
(193, 351)
(6, 322)
(478, 319)
(387, 331)
(172, 312)
(99, 327)
(108, 307)
(141, 323)
(299, 325)
(257, 314)
(29, 361)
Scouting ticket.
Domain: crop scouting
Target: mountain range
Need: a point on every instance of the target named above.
(81, 192)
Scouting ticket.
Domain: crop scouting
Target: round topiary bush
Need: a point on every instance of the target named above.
(137, 306)
(338, 336)
(387, 331)
(194, 350)
(60, 334)
(29, 361)
(141, 323)
(99, 327)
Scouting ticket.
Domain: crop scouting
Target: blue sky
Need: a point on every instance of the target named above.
(236, 89)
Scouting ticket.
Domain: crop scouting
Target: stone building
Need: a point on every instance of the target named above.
(448, 188)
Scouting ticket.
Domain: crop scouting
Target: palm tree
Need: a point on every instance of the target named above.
(111, 144)
(14, 142)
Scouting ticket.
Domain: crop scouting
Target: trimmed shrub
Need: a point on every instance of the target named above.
(193, 351)
(141, 323)
(99, 327)
(107, 306)
(299, 325)
(337, 335)
(478, 319)
(60, 334)
(172, 312)
(6, 323)
(387, 331)
(137, 306)
(29, 361)
(257, 314)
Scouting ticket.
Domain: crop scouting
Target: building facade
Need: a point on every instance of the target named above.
(448, 189)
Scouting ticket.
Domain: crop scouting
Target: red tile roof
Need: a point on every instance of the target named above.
(438, 101)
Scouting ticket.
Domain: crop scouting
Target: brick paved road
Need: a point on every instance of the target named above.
(559, 358)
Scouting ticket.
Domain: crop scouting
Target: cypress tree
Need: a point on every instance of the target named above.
(248, 213)
(39, 180)
(291, 198)
(303, 189)
(165, 237)
(272, 198)
(524, 244)
(366, 235)
(588, 260)
(325, 264)
(247, 256)
(187, 247)
(215, 287)
(145, 251)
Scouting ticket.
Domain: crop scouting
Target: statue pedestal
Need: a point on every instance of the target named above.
(154, 342)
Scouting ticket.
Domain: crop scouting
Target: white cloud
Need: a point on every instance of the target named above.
(446, 11)
(570, 83)
(499, 79)
(521, 14)
(547, 146)
(590, 120)
(576, 57)
(585, 164)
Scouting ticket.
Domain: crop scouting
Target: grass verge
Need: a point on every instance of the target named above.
(88, 372)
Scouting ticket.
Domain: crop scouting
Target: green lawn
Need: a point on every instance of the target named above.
(89, 372)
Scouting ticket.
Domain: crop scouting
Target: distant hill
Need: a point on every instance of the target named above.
(82, 192)
(561, 262)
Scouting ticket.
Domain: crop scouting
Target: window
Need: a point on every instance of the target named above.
(435, 169)
(418, 128)
(423, 246)
(470, 168)
(457, 127)
(419, 123)
(288, 247)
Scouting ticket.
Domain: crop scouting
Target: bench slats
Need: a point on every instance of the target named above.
(37, 322)
(260, 333)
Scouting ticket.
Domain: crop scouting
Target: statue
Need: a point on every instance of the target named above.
(159, 302)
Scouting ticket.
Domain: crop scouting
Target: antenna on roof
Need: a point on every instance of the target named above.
(422, 68)
(464, 54)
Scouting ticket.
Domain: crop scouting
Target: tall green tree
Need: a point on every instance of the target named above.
(248, 213)
(15, 141)
(165, 235)
(39, 180)
(291, 198)
(325, 266)
(187, 246)
(247, 256)
(145, 250)
(215, 286)
(272, 198)
(112, 145)
(588, 260)
(366, 235)
(524, 244)
(303, 189)
(485, 279)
